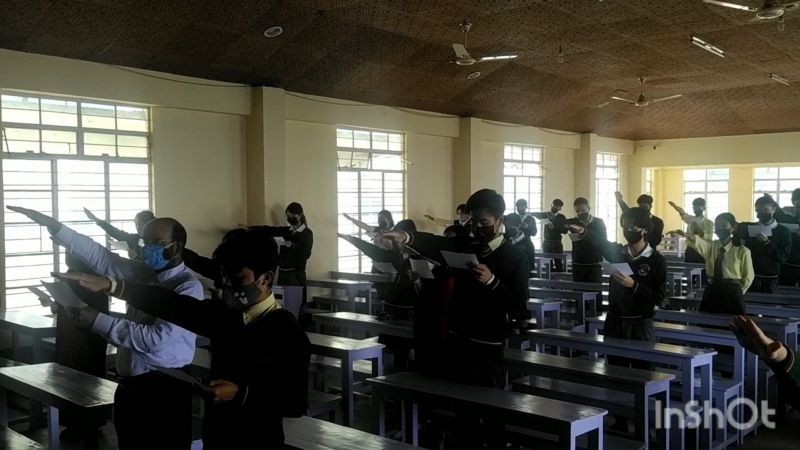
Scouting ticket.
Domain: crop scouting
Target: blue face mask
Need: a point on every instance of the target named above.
(153, 256)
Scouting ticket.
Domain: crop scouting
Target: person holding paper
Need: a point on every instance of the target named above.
(130, 239)
(147, 402)
(527, 221)
(768, 252)
(260, 354)
(517, 236)
(585, 256)
(645, 201)
(553, 231)
(790, 270)
(298, 243)
(698, 225)
(729, 264)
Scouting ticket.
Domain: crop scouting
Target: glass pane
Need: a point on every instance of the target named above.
(21, 140)
(380, 141)
(130, 118)
(766, 186)
(717, 186)
(98, 116)
(97, 144)
(694, 174)
(527, 154)
(59, 142)
(766, 172)
(717, 174)
(531, 170)
(132, 146)
(512, 168)
(386, 162)
(516, 153)
(361, 139)
(507, 152)
(790, 172)
(694, 186)
(20, 109)
(59, 112)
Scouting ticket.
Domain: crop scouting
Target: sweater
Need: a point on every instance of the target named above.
(650, 276)
(767, 256)
(267, 359)
(295, 256)
(794, 255)
(583, 251)
(554, 232)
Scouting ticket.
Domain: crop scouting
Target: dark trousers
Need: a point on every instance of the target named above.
(153, 410)
(790, 275)
(635, 329)
(554, 247)
(592, 273)
(293, 278)
(723, 297)
(767, 285)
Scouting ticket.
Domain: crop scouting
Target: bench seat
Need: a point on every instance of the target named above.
(322, 403)
(11, 440)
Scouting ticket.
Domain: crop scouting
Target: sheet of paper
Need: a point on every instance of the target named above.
(460, 260)
(546, 222)
(384, 267)
(63, 295)
(575, 237)
(280, 241)
(118, 245)
(753, 230)
(624, 268)
(422, 268)
(793, 227)
(44, 299)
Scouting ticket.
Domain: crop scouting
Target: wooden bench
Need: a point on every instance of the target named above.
(579, 297)
(323, 403)
(639, 385)
(365, 323)
(11, 440)
(313, 434)
(753, 308)
(352, 290)
(58, 387)
(566, 421)
(540, 307)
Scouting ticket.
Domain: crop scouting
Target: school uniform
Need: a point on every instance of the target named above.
(767, 256)
(656, 233)
(551, 242)
(524, 244)
(586, 256)
(790, 270)
(731, 269)
(528, 224)
(292, 258)
(707, 226)
(263, 350)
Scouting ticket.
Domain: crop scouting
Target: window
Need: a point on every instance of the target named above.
(607, 183)
(647, 186)
(59, 156)
(779, 182)
(522, 178)
(711, 184)
(371, 177)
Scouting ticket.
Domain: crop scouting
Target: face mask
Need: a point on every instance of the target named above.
(698, 212)
(153, 256)
(633, 237)
(723, 235)
(292, 220)
(554, 210)
(764, 217)
(241, 297)
(646, 207)
(484, 234)
(383, 224)
(583, 216)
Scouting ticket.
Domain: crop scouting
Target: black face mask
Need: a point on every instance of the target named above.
(633, 237)
(723, 235)
(383, 224)
(698, 212)
(764, 217)
(554, 210)
(484, 234)
(293, 220)
(583, 216)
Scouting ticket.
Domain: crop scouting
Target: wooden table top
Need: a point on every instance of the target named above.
(59, 386)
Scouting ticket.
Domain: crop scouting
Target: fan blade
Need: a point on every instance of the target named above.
(620, 99)
(731, 5)
(604, 104)
(663, 99)
(461, 51)
(791, 6)
(496, 58)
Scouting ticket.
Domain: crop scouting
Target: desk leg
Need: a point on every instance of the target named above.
(595, 438)
(53, 427)
(567, 441)
(347, 390)
(580, 308)
(380, 407)
(36, 415)
(641, 423)
(3, 407)
(411, 423)
(540, 318)
(38, 352)
(662, 432)
(706, 380)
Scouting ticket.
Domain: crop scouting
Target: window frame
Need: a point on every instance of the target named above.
(778, 193)
(690, 195)
(538, 155)
(612, 223)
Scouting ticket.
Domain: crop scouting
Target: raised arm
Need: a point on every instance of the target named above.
(372, 251)
(428, 245)
(439, 221)
(111, 230)
(359, 224)
(206, 267)
(622, 205)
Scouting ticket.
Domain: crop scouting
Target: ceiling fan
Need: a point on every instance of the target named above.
(769, 9)
(642, 100)
(463, 57)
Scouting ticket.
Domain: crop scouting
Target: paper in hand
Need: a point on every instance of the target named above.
(460, 260)
(119, 245)
(575, 237)
(753, 230)
(623, 268)
(63, 295)
(422, 268)
(793, 227)
(384, 267)
(546, 222)
(44, 299)
(280, 241)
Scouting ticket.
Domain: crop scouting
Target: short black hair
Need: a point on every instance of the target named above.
(646, 199)
(486, 199)
(461, 207)
(766, 201)
(580, 201)
(294, 208)
(406, 225)
(699, 201)
(521, 200)
(145, 215)
(558, 202)
(251, 249)
(640, 218)
(796, 193)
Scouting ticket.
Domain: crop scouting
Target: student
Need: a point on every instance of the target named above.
(460, 219)
(208, 267)
(296, 249)
(729, 263)
(517, 236)
(260, 355)
(553, 231)
(455, 231)
(527, 221)
(632, 298)
(645, 202)
(385, 223)
(698, 225)
(768, 252)
(790, 270)
(777, 355)
(585, 257)
(147, 402)
(131, 239)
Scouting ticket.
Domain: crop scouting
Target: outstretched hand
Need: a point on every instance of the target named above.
(92, 283)
(680, 210)
(755, 341)
(90, 215)
(46, 221)
(618, 195)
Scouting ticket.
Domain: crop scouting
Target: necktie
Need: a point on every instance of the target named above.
(718, 264)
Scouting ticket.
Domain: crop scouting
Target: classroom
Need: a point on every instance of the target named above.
(457, 224)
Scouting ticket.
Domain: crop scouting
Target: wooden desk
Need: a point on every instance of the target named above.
(58, 387)
(352, 289)
(314, 434)
(642, 384)
(780, 298)
(291, 297)
(753, 308)
(348, 351)
(579, 297)
(565, 420)
(365, 323)
(35, 326)
(540, 307)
